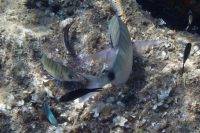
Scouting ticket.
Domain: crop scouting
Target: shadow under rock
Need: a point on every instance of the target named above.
(172, 11)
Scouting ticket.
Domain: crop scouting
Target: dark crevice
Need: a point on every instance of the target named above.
(174, 13)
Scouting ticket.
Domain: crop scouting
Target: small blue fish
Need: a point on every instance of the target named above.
(48, 113)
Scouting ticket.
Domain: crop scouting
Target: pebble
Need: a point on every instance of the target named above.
(119, 121)
(8, 107)
(2, 107)
(19, 42)
(163, 54)
(33, 126)
(195, 48)
(34, 98)
(198, 52)
(59, 130)
(20, 103)
(11, 98)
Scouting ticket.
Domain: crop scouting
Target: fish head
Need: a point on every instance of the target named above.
(71, 76)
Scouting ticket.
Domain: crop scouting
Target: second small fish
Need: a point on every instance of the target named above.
(57, 70)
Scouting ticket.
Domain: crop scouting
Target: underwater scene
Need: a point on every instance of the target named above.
(99, 66)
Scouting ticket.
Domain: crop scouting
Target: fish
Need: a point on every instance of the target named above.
(72, 95)
(186, 54)
(68, 46)
(58, 71)
(119, 59)
(121, 67)
(190, 19)
(48, 113)
(141, 46)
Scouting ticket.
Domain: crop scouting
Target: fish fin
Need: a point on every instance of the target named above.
(92, 81)
(107, 56)
(96, 81)
(48, 113)
(142, 46)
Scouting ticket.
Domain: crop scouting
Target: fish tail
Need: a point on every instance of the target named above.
(143, 45)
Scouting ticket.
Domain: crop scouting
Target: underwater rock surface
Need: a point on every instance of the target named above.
(156, 98)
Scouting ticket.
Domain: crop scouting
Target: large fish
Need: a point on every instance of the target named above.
(57, 70)
(122, 66)
(119, 58)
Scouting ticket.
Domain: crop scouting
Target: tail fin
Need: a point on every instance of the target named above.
(143, 45)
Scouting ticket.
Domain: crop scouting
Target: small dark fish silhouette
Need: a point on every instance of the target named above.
(186, 54)
(190, 19)
(72, 95)
(68, 46)
(48, 112)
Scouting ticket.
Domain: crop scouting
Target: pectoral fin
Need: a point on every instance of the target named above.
(142, 46)
(96, 81)
(107, 56)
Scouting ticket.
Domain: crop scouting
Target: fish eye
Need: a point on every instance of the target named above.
(71, 77)
(111, 75)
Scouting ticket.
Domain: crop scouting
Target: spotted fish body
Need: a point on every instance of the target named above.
(57, 70)
(121, 40)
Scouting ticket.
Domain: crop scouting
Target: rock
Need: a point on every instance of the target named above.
(20, 103)
(2, 107)
(19, 42)
(119, 121)
(34, 98)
